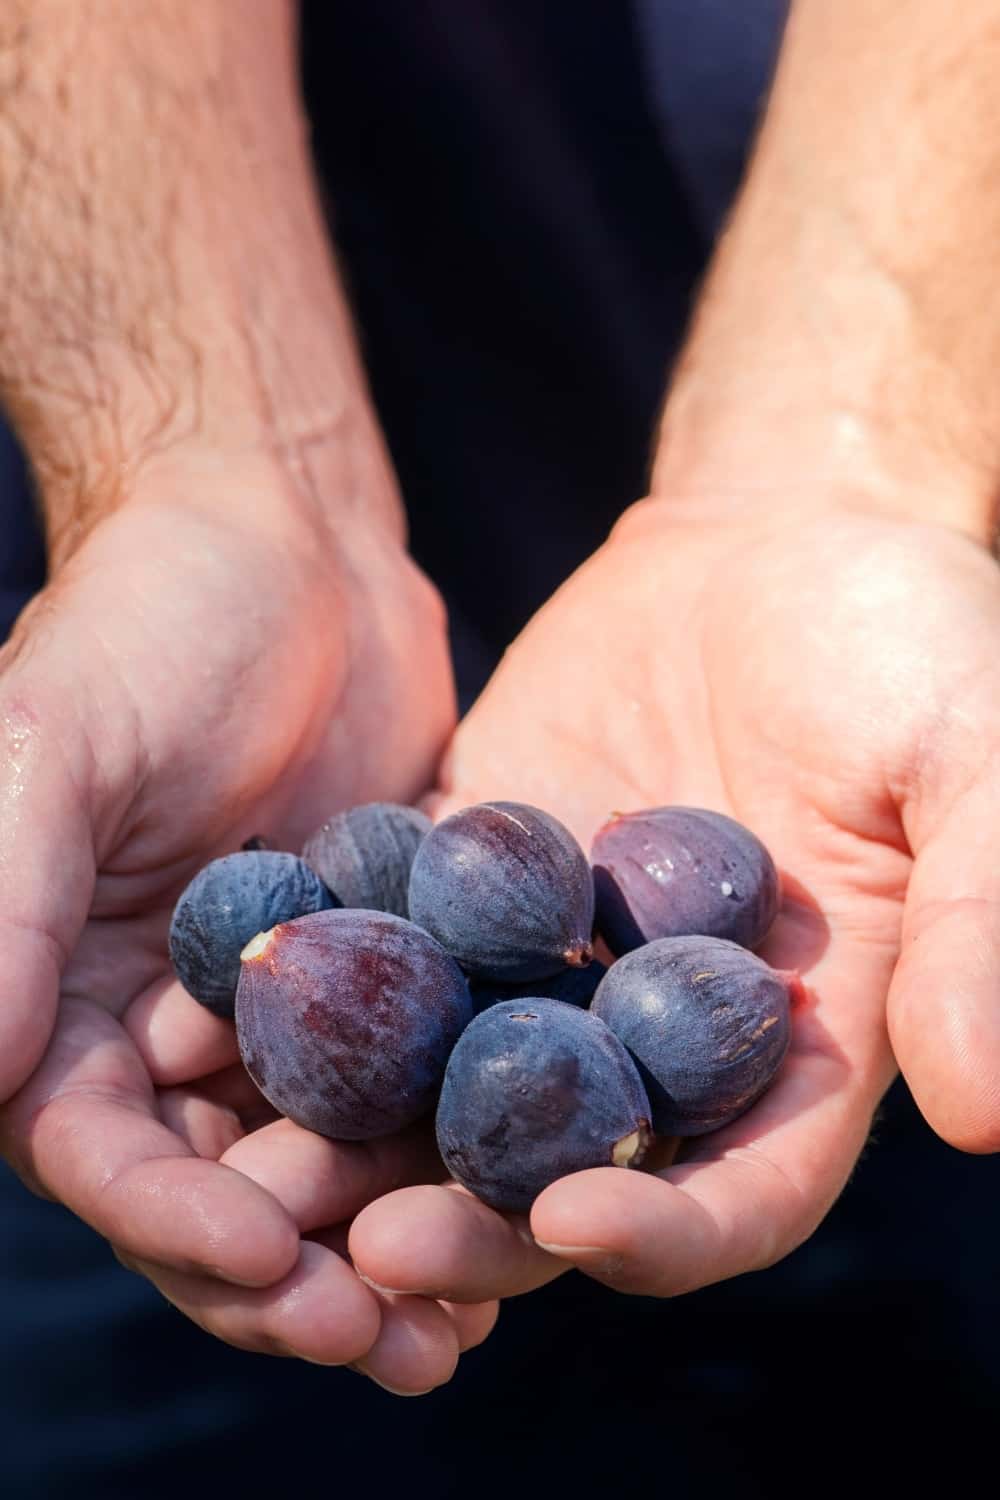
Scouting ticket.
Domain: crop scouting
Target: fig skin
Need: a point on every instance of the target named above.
(222, 908)
(507, 890)
(364, 854)
(574, 986)
(707, 1023)
(682, 871)
(536, 1089)
(345, 1020)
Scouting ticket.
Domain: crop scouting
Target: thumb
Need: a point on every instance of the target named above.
(46, 869)
(944, 1001)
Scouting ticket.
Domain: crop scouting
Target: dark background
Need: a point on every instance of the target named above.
(525, 196)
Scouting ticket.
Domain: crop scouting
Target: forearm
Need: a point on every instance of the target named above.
(848, 338)
(167, 286)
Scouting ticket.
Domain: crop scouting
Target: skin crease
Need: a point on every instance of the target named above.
(800, 631)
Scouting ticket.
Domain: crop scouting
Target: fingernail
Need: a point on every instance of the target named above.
(387, 1291)
(573, 1251)
(593, 1258)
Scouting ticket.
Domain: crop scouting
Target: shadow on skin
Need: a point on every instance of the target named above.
(801, 934)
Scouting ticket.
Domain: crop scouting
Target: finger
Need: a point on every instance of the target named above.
(473, 1322)
(207, 1127)
(178, 1039)
(86, 1130)
(322, 1182)
(234, 1089)
(417, 1348)
(46, 873)
(319, 1311)
(944, 1015)
(419, 1341)
(747, 1195)
(441, 1242)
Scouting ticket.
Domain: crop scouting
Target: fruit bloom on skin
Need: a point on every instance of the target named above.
(575, 986)
(507, 890)
(534, 1090)
(345, 1020)
(707, 1022)
(673, 871)
(364, 855)
(222, 908)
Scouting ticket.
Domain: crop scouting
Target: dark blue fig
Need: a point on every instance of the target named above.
(536, 1089)
(364, 854)
(507, 890)
(345, 1020)
(673, 871)
(707, 1022)
(574, 986)
(226, 904)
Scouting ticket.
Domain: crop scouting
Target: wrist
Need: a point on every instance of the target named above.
(812, 377)
(287, 483)
(334, 502)
(761, 450)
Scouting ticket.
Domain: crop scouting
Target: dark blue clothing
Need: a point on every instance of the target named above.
(525, 193)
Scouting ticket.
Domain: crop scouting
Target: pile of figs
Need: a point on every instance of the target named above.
(396, 967)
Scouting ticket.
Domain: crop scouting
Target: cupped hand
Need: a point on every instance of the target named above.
(834, 684)
(215, 661)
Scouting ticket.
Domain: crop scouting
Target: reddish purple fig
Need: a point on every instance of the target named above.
(345, 1020)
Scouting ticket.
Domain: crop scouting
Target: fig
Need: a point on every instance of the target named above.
(364, 854)
(345, 1020)
(507, 890)
(536, 1089)
(674, 871)
(707, 1022)
(575, 986)
(222, 908)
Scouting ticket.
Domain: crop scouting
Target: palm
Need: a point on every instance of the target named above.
(238, 708)
(817, 686)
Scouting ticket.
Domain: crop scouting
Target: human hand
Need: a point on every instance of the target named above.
(233, 642)
(798, 633)
(186, 680)
(833, 684)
